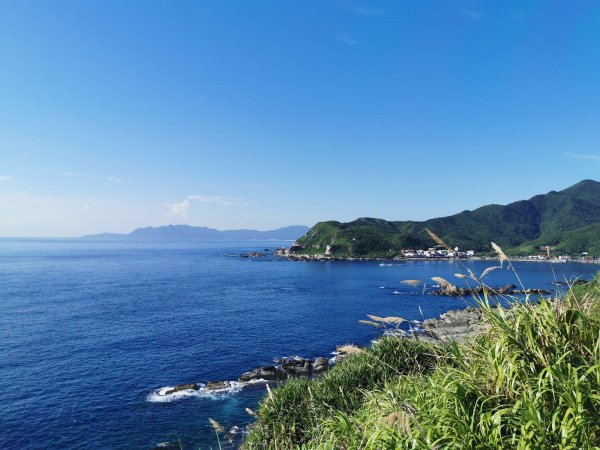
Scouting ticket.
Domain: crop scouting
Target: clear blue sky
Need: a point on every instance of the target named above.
(260, 114)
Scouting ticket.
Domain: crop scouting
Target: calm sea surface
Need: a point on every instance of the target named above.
(89, 331)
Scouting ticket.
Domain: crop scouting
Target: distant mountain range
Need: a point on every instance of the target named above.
(568, 220)
(187, 232)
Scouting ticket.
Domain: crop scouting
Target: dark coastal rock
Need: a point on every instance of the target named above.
(458, 292)
(509, 289)
(182, 387)
(504, 290)
(531, 292)
(252, 255)
(454, 325)
(297, 367)
(268, 373)
(213, 386)
(320, 365)
(577, 282)
(537, 291)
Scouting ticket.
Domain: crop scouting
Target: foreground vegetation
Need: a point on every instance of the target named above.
(532, 380)
(568, 220)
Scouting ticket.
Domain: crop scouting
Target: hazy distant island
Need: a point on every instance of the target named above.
(564, 223)
(188, 232)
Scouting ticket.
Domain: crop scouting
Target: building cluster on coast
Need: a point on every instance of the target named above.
(438, 253)
(298, 252)
(583, 258)
(546, 254)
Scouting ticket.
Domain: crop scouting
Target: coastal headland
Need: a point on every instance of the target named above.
(561, 225)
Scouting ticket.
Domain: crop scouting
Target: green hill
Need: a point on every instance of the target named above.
(568, 220)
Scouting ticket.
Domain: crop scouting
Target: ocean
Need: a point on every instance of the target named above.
(91, 332)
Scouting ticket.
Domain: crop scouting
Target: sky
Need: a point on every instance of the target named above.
(262, 114)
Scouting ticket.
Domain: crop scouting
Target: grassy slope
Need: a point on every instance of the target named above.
(532, 381)
(569, 219)
(589, 292)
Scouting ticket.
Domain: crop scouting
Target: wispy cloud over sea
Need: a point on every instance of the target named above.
(366, 11)
(345, 38)
(584, 156)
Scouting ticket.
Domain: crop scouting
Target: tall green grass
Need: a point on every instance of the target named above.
(296, 410)
(532, 380)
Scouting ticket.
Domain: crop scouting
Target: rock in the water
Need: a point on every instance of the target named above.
(320, 365)
(262, 373)
(537, 291)
(454, 325)
(297, 367)
(509, 288)
(212, 386)
(182, 387)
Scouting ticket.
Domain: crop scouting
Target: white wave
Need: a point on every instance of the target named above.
(284, 359)
(251, 382)
(234, 387)
(381, 287)
(395, 333)
(161, 396)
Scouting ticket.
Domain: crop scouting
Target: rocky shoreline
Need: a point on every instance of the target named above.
(454, 325)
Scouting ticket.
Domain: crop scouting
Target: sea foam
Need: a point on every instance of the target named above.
(160, 395)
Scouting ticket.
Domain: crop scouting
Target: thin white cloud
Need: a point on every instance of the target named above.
(471, 15)
(584, 156)
(178, 209)
(365, 11)
(4, 178)
(256, 186)
(69, 173)
(111, 178)
(181, 209)
(218, 200)
(345, 38)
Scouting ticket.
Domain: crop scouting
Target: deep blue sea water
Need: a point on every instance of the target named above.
(90, 330)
